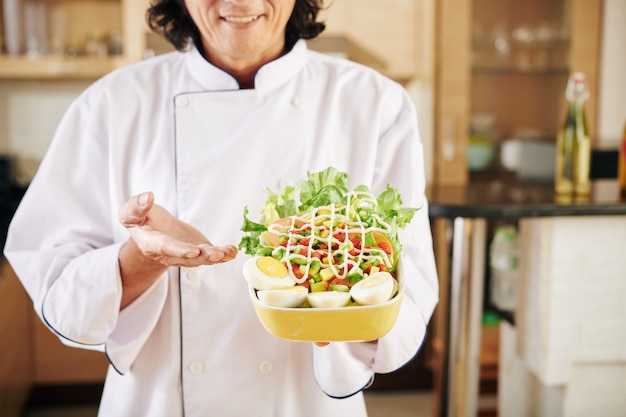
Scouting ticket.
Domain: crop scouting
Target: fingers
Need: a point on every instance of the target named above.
(157, 246)
(172, 252)
(211, 255)
(133, 212)
(218, 254)
(216, 257)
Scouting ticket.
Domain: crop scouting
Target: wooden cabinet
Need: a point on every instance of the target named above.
(55, 363)
(483, 65)
(83, 39)
(30, 355)
(525, 87)
(15, 359)
(389, 36)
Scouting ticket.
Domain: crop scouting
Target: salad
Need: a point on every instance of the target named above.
(325, 237)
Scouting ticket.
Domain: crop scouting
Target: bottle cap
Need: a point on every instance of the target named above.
(577, 87)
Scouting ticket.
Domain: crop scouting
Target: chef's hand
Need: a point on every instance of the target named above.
(162, 237)
(159, 240)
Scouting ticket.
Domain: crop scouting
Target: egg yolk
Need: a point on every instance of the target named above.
(271, 267)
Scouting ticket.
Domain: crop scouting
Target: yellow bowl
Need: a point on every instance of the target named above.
(342, 324)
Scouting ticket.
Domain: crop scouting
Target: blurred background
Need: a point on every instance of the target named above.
(488, 79)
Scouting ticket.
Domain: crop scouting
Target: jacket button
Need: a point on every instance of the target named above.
(196, 368)
(182, 101)
(193, 275)
(266, 367)
(298, 102)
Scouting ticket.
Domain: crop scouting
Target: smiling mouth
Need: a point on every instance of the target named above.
(240, 19)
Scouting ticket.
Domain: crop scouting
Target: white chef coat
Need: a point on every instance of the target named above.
(176, 125)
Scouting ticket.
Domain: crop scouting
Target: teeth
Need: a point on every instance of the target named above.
(245, 19)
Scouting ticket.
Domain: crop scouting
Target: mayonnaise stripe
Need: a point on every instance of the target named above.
(320, 226)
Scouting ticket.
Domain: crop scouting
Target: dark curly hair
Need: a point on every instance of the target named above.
(170, 19)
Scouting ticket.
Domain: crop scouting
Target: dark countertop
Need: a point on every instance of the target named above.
(511, 200)
(506, 200)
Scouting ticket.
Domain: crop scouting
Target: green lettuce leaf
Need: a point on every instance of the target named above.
(251, 243)
(280, 205)
(323, 188)
(390, 205)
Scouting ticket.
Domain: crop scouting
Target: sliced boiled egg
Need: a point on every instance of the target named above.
(267, 273)
(284, 297)
(328, 299)
(396, 288)
(374, 289)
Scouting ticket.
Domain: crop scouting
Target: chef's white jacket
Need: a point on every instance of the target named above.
(176, 125)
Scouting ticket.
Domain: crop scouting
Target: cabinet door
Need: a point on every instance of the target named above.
(15, 343)
(33, 355)
(55, 363)
(452, 88)
(382, 35)
(521, 98)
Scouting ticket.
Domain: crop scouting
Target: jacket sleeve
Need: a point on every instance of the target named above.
(64, 239)
(343, 369)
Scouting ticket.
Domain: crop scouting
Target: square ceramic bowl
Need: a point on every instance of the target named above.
(343, 324)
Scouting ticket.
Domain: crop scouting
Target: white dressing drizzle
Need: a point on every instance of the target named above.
(314, 226)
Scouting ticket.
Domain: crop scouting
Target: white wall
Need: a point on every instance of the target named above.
(612, 94)
(29, 114)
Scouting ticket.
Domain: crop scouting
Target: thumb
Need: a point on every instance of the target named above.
(133, 212)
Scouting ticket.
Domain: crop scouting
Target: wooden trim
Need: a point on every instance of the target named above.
(452, 88)
(440, 321)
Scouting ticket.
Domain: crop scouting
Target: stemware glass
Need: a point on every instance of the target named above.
(524, 40)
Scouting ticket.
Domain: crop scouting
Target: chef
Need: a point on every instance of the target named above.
(125, 239)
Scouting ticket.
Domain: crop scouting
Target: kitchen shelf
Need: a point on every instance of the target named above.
(23, 67)
(75, 23)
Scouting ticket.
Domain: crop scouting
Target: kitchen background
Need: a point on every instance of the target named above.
(400, 41)
(430, 46)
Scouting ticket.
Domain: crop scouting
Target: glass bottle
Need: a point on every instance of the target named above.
(573, 146)
(504, 267)
(622, 164)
